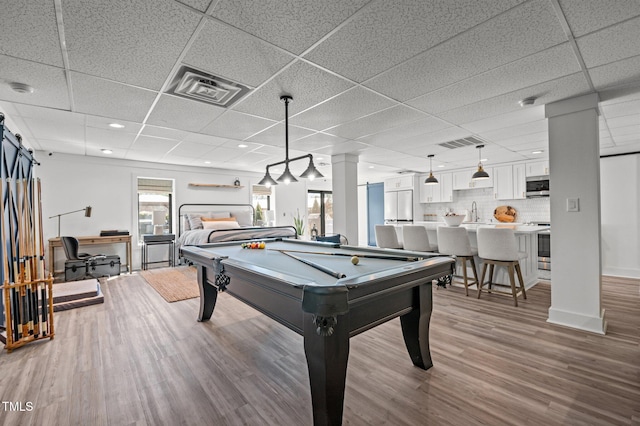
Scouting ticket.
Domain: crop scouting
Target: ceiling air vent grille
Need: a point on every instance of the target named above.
(459, 143)
(197, 85)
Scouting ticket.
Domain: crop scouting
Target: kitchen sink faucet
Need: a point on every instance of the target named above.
(474, 212)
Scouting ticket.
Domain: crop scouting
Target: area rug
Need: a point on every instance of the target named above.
(173, 284)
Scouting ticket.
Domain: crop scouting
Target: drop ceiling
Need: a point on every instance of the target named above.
(390, 81)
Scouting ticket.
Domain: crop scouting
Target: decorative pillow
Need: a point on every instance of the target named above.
(218, 219)
(244, 218)
(194, 221)
(218, 215)
(221, 225)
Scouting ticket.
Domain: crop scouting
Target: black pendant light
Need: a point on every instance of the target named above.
(431, 180)
(480, 174)
(287, 177)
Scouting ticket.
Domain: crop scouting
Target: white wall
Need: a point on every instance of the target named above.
(71, 182)
(620, 213)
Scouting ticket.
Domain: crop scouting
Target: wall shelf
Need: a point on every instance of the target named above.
(215, 185)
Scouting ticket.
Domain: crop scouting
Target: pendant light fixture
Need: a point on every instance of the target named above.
(480, 174)
(431, 180)
(287, 177)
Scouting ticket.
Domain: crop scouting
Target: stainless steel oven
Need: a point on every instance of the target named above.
(544, 250)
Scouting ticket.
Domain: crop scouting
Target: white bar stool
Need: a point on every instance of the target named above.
(454, 241)
(498, 246)
(386, 237)
(414, 237)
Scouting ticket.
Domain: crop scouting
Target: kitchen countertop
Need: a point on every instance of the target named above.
(519, 228)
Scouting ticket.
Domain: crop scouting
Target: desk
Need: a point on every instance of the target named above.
(88, 241)
(155, 240)
(325, 310)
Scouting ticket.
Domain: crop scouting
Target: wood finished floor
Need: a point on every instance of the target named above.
(138, 360)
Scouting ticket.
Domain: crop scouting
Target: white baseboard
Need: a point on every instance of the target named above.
(582, 322)
(621, 272)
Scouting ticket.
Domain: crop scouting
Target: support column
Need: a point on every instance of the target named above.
(574, 163)
(344, 168)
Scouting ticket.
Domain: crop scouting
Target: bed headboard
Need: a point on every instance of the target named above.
(189, 214)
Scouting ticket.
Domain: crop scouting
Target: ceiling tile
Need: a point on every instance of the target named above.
(164, 132)
(306, 83)
(275, 135)
(221, 154)
(111, 139)
(183, 114)
(416, 128)
(387, 33)
(519, 32)
(235, 125)
(621, 109)
(127, 33)
(585, 16)
(190, 150)
(547, 65)
(623, 121)
(610, 44)
(234, 55)
(104, 123)
(201, 5)
(520, 130)
(616, 73)
(153, 145)
(316, 141)
(53, 124)
(29, 31)
(562, 88)
(627, 130)
(398, 115)
(62, 146)
(204, 139)
(108, 99)
(346, 147)
(293, 25)
(49, 83)
(350, 105)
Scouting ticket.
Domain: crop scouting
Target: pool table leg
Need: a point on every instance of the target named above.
(415, 327)
(208, 293)
(327, 363)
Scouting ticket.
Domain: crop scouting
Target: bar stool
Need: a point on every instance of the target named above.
(498, 246)
(414, 237)
(454, 241)
(386, 237)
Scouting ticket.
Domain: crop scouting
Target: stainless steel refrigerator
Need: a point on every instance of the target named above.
(398, 206)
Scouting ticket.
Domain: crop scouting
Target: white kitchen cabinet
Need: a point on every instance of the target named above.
(509, 182)
(519, 181)
(440, 193)
(538, 168)
(462, 179)
(398, 183)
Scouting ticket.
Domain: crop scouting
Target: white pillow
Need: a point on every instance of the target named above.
(218, 215)
(243, 217)
(221, 225)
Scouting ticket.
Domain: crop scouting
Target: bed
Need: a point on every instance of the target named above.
(211, 223)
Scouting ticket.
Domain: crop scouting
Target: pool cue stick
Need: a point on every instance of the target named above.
(315, 265)
(8, 307)
(370, 256)
(32, 264)
(45, 290)
(16, 269)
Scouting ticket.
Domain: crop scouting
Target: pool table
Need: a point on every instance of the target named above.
(324, 309)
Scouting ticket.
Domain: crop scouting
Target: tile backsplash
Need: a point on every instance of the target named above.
(529, 210)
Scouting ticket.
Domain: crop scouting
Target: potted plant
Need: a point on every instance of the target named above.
(298, 223)
(259, 215)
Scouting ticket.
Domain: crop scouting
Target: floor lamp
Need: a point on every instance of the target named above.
(87, 213)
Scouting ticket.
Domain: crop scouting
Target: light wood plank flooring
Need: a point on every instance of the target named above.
(137, 360)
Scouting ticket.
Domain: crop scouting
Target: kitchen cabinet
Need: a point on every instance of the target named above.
(440, 193)
(509, 182)
(462, 179)
(398, 183)
(538, 168)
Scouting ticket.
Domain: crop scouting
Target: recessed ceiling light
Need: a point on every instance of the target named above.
(21, 87)
(440, 165)
(106, 151)
(242, 145)
(537, 152)
(372, 167)
(207, 162)
(483, 159)
(116, 125)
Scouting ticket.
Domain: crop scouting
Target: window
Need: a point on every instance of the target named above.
(320, 212)
(261, 201)
(155, 206)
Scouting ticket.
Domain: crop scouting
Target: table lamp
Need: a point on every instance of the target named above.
(87, 213)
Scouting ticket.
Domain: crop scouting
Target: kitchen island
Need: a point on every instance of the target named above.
(526, 237)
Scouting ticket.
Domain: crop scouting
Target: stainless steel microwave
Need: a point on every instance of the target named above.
(537, 186)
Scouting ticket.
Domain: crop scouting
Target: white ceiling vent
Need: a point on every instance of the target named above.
(459, 143)
(194, 84)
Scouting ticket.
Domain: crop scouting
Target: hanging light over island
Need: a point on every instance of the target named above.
(480, 174)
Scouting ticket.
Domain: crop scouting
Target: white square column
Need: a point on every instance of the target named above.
(344, 181)
(574, 163)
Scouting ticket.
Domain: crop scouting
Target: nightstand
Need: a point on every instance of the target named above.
(154, 240)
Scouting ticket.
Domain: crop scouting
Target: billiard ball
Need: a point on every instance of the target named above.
(355, 260)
